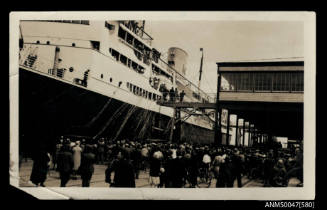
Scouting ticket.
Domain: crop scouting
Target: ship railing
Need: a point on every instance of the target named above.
(137, 30)
(83, 22)
(185, 81)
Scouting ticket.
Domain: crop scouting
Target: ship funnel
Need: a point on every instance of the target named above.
(177, 59)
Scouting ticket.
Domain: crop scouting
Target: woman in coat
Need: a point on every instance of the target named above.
(40, 168)
(77, 154)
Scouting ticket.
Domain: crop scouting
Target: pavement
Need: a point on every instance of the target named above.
(98, 178)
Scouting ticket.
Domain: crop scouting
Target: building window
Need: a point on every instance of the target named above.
(281, 81)
(245, 81)
(297, 81)
(262, 81)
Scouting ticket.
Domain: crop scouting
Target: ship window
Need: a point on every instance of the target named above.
(123, 59)
(131, 88)
(110, 79)
(119, 84)
(134, 65)
(150, 95)
(109, 26)
(114, 53)
(141, 69)
(127, 84)
(171, 62)
(48, 42)
(73, 44)
(101, 76)
(129, 38)
(121, 33)
(95, 45)
(85, 22)
(37, 42)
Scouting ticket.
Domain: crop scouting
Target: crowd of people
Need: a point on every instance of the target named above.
(168, 165)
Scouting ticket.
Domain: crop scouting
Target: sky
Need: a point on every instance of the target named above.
(225, 41)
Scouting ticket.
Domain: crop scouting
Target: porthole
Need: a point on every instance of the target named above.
(73, 44)
(71, 69)
(37, 42)
(48, 42)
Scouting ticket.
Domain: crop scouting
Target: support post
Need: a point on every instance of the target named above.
(172, 126)
(243, 132)
(217, 127)
(236, 136)
(227, 131)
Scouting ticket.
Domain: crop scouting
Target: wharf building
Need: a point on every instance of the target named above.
(262, 100)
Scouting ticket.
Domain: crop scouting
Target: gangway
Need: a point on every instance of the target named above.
(195, 105)
(178, 106)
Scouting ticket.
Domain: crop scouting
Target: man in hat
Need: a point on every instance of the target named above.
(237, 167)
(124, 171)
(87, 168)
(65, 164)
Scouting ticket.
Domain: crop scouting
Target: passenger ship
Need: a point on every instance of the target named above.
(101, 79)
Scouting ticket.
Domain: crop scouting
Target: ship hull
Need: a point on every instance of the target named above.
(49, 108)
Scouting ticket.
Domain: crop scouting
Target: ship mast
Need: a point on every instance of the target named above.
(200, 74)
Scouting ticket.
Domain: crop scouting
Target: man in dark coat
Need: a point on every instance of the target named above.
(136, 158)
(124, 171)
(87, 169)
(40, 168)
(176, 171)
(225, 178)
(172, 94)
(65, 164)
(237, 166)
(181, 96)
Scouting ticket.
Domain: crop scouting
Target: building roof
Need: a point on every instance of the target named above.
(267, 63)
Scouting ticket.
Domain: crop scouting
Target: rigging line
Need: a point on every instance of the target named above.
(115, 115)
(99, 113)
(205, 77)
(145, 125)
(144, 117)
(129, 114)
(57, 96)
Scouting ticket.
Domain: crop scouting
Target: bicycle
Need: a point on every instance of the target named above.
(205, 177)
